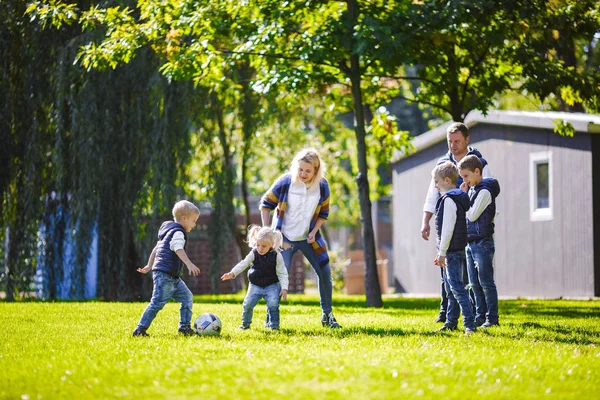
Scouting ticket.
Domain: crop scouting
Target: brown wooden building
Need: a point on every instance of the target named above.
(548, 223)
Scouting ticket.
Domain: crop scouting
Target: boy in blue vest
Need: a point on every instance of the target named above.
(166, 263)
(458, 147)
(480, 237)
(451, 227)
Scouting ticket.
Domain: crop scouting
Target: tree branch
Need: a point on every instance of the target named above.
(278, 56)
(427, 103)
(407, 78)
(477, 63)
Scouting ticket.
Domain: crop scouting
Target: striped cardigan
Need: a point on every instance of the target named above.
(276, 197)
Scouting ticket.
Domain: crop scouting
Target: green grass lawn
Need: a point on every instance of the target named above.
(67, 350)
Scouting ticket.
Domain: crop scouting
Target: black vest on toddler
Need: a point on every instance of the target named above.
(263, 271)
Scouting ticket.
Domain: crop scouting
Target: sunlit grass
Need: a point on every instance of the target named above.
(85, 350)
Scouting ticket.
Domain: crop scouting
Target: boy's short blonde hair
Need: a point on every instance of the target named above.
(470, 163)
(446, 170)
(184, 207)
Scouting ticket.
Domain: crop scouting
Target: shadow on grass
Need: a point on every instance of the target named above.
(551, 333)
(353, 331)
(346, 301)
(552, 308)
(516, 332)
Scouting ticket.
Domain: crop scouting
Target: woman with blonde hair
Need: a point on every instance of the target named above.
(301, 200)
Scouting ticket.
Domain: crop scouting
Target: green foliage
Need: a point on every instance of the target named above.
(556, 46)
(564, 128)
(55, 13)
(544, 349)
(79, 142)
(242, 86)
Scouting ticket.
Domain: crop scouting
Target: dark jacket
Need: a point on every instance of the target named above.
(483, 227)
(459, 236)
(165, 259)
(263, 271)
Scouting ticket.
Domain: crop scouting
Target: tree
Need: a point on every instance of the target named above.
(296, 46)
(469, 53)
(77, 142)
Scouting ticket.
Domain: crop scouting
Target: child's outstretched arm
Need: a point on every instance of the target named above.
(239, 268)
(148, 266)
(190, 265)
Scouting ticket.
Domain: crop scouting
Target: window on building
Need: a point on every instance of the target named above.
(541, 186)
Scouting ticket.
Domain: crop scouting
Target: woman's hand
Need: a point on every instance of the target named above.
(311, 237)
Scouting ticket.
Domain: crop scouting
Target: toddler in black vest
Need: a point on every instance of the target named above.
(451, 227)
(268, 276)
(480, 232)
(166, 263)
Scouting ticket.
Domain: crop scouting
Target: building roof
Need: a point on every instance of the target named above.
(585, 123)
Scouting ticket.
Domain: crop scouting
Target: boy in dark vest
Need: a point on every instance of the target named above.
(166, 263)
(451, 227)
(480, 237)
(458, 138)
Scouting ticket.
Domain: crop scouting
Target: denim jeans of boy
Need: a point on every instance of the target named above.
(323, 273)
(458, 297)
(444, 293)
(271, 296)
(165, 288)
(480, 258)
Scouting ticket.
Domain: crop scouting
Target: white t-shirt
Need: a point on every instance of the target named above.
(447, 225)
(177, 241)
(301, 206)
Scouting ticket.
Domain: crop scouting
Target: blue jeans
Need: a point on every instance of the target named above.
(480, 257)
(444, 294)
(457, 295)
(271, 296)
(323, 273)
(165, 288)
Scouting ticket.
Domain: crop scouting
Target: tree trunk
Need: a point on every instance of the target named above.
(249, 123)
(249, 108)
(566, 52)
(7, 270)
(456, 105)
(372, 288)
(224, 208)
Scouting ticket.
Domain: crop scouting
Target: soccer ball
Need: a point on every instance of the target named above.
(208, 325)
